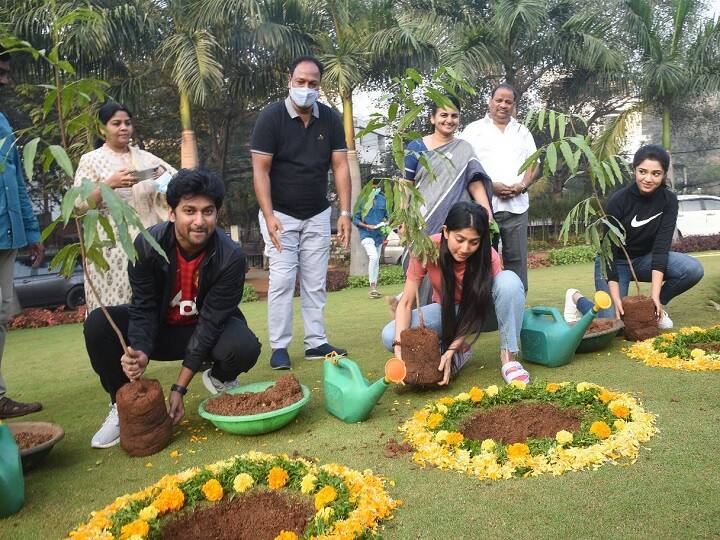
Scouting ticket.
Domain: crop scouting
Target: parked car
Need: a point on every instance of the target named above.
(698, 215)
(392, 250)
(42, 287)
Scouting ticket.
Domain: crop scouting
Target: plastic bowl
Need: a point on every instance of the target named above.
(30, 457)
(599, 340)
(255, 424)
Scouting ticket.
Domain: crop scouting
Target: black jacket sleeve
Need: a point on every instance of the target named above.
(220, 303)
(144, 307)
(663, 239)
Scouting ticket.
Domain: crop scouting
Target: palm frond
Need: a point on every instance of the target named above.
(609, 142)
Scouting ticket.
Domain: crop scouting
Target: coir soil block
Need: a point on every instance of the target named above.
(599, 325)
(26, 440)
(420, 349)
(145, 426)
(639, 318)
(711, 347)
(284, 392)
(510, 424)
(259, 515)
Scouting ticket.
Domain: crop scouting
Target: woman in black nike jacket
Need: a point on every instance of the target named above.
(647, 210)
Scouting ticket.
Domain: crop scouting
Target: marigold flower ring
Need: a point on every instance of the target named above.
(348, 503)
(612, 426)
(690, 349)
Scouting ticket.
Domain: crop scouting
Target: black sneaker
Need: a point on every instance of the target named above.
(322, 351)
(280, 359)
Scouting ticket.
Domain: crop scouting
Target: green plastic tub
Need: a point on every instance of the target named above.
(599, 340)
(255, 424)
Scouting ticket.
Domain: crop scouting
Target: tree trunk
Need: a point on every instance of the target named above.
(358, 257)
(188, 145)
(666, 143)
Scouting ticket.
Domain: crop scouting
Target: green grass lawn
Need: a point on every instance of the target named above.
(672, 490)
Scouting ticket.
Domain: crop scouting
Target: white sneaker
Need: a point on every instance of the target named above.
(571, 313)
(109, 433)
(214, 386)
(665, 322)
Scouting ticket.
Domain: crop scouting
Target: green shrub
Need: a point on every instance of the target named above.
(538, 245)
(357, 282)
(389, 275)
(249, 293)
(571, 255)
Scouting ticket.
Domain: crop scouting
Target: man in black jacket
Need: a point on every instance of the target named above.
(183, 307)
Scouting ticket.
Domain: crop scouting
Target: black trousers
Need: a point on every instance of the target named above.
(235, 352)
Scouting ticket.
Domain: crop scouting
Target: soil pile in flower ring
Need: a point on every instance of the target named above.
(284, 392)
(710, 347)
(639, 318)
(259, 515)
(599, 325)
(510, 424)
(421, 353)
(25, 439)
(145, 427)
(394, 449)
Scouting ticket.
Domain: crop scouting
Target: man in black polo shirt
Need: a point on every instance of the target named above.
(294, 144)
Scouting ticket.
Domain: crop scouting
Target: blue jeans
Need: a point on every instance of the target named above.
(508, 296)
(682, 273)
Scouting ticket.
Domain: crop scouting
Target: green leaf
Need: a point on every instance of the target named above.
(47, 231)
(68, 204)
(29, 153)
(616, 170)
(398, 152)
(414, 75)
(89, 227)
(107, 227)
(153, 243)
(562, 121)
(529, 162)
(97, 258)
(392, 111)
(551, 124)
(551, 155)
(66, 66)
(568, 156)
(62, 159)
(541, 119)
(529, 119)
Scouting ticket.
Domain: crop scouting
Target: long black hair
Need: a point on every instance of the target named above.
(477, 280)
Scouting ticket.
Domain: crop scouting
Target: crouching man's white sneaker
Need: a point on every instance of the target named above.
(109, 433)
(571, 313)
(215, 386)
(665, 322)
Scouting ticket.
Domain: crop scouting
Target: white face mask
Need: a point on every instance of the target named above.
(304, 97)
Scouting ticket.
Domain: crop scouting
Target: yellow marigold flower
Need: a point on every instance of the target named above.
(619, 424)
(600, 429)
(139, 527)
(492, 390)
(518, 384)
(518, 450)
(581, 387)
(476, 394)
(433, 420)
(286, 535)
(325, 514)
(169, 500)
(552, 387)
(462, 396)
(605, 396)
(447, 400)
(442, 409)
(277, 478)
(307, 485)
(148, 513)
(421, 416)
(441, 435)
(621, 411)
(243, 482)
(564, 437)
(455, 438)
(697, 353)
(213, 490)
(324, 497)
(174, 454)
(488, 445)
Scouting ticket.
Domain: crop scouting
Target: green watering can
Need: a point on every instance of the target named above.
(548, 340)
(348, 394)
(12, 485)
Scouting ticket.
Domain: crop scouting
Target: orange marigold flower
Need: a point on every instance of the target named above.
(518, 450)
(476, 394)
(446, 400)
(621, 411)
(600, 429)
(277, 478)
(286, 535)
(213, 490)
(169, 500)
(605, 396)
(434, 420)
(552, 387)
(454, 438)
(324, 497)
(139, 527)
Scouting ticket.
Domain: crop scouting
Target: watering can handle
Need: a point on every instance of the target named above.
(553, 312)
(352, 367)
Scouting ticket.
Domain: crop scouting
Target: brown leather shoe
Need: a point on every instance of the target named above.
(13, 409)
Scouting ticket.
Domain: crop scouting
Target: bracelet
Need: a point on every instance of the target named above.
(524, 187)
(179, 389)
(345, 213)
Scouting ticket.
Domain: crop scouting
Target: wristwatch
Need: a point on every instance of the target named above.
(524, 187)
(179, 389)
(346, 213)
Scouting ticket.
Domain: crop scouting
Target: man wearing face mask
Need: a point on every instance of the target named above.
(294, 144)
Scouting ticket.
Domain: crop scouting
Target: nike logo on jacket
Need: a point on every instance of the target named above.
(636, 223)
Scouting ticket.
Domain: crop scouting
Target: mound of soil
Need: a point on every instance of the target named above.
(26, 440)
(599, 325)
(640, 321)
(420, 349)
(538, 259)
(510, 424)
(394, 448)
(284, 392)
(259, 515)
(145, 427)
(40, 317)
(710, 347)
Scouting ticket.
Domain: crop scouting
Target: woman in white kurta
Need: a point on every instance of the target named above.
(116, 163)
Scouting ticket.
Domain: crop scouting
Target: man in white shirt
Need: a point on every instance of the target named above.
(502, 145)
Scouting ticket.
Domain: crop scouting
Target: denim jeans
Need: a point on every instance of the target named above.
(373, 253)
(509, 305)
(682, 273)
